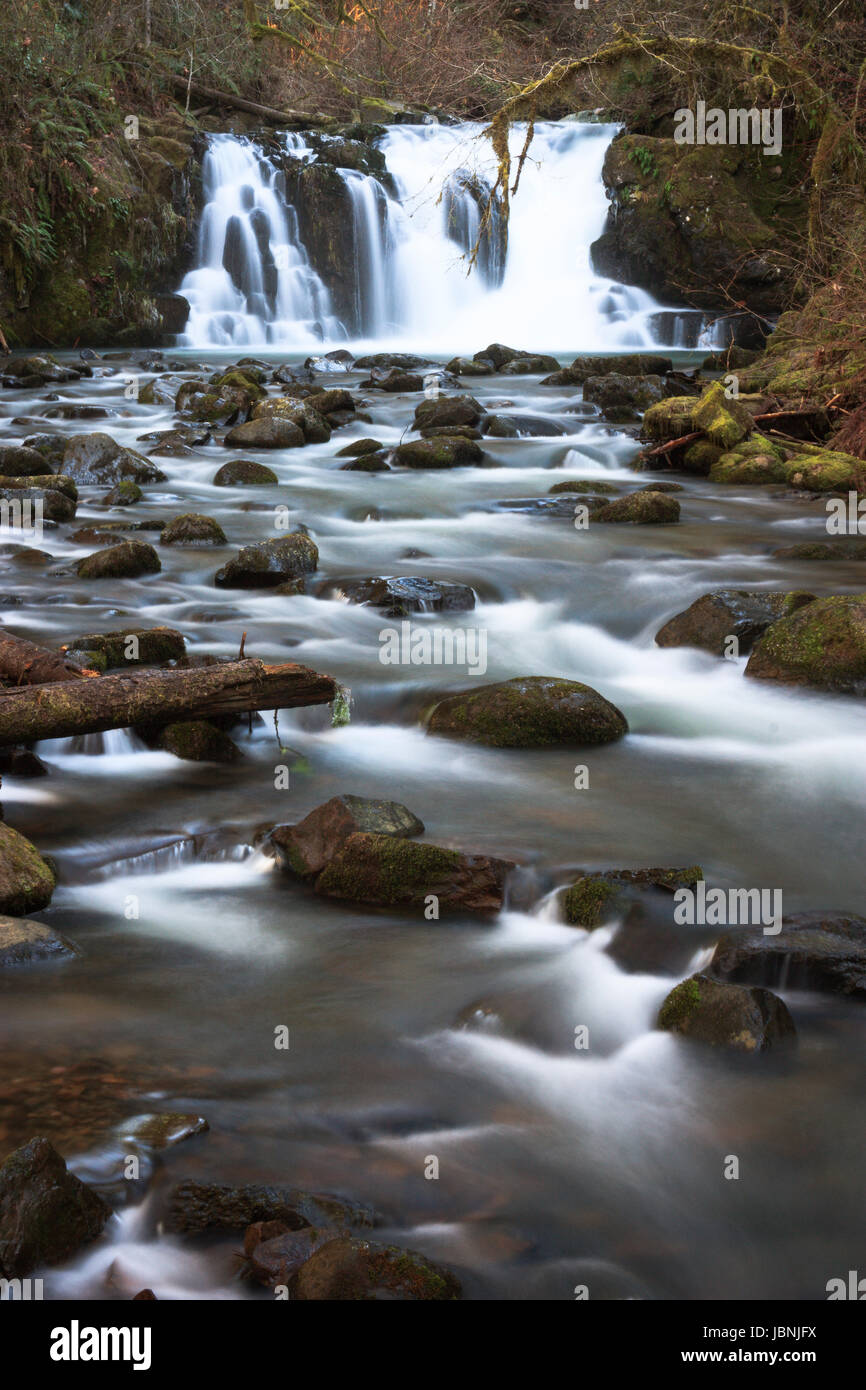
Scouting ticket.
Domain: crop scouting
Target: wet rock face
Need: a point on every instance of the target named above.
(713, 618)
(386, 872)
(730, 1016)
(46, 1213)
(26, 880)
(822, 645)
(97, 458)
(269, 563)
(402, 595)
(824, 951)
(530, 712)
(307, 847)
(197, 1206)
(353, 1269)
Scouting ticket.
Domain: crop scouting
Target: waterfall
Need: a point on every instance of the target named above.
(407, 240)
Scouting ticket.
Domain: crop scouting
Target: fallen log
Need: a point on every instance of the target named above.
(267, 113)
(66, 708)
(24, 663)
(670, 444)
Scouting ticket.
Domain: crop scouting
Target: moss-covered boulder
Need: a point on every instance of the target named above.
(754, 467)
(669, 419)
(198, 741)
(244, 473)
(269, 563)
(193, 529)
(448, 410)
(629, 364)
(268, 432)
(838, 548)
(22, 942)
(311, 422)
(350, 1269)
(384, 871)
(715, 617)
(128, 560)
(827, 470)
(530, 712)
(30, 502)
(640, 509)
(26, 881)
(244, 379)
(134, 646)
(47, 482)
(46, 1213)
(305, 848)
(594, 899)
(822, 645)
(358, 448)
(722, 419)
(18, 461)
(213, 405)
(445, 451)
(207, 1206)
(734, 1017)
(124, 494)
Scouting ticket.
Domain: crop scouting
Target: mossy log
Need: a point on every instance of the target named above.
(24, 663)
(267, 113)
(63, 709)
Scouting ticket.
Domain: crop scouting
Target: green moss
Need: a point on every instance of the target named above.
(584, 902)
(679, 1006)
(723, 421)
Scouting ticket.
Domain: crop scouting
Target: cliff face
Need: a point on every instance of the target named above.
(116, 256)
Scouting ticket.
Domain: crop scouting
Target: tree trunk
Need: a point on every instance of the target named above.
(23, 663)
(61, 710)
(267, 113)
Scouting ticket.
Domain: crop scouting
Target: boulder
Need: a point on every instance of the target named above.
(151, 646)
(202, 1206)
(629, 364)
(193, 529)
(405, 594)
(530, 712)
(268, 432)
(198, 741)
(97, 458)
(313, 425)
(26, 880)
(734, 1017)
(244, 473)
(823, 951)
(448, 410)
(622, 399)
(640, 509)
(350, 1269)
(307, 847)
(124, 494)
(669, 419)
(269, 563)
(358, 448)
(128, 560)
(17, 461)
(723, 420)
(54, 505)
(441, 452)
(46, 1214)
(23, 941)
(822, 645)
(594, 899)
(838, 548)
(383, 871)
(724, 613)
(277, 1256)
(334, 401)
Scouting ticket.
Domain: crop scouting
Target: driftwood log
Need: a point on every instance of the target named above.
(64, 708)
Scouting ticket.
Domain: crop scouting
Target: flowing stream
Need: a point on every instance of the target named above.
(453, 1039)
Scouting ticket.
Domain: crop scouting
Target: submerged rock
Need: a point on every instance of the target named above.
(26, 880)
(161, 1131)
(269, 563)
(725, 1015)
(725, 613)
(22, 942)
(46, 1214)
(838, 548)
(128, 560)
(383, 871)
(350, 1269)
(822, 645)
(307, 847)
(529, 712)
(199, 1206)
(404, 594)
(824, 951)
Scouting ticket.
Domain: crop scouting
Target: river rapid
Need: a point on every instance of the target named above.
(452, 1039)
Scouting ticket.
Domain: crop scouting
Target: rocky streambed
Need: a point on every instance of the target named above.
(400, 996)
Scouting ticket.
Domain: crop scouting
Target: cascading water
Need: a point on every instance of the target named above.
(410, 238)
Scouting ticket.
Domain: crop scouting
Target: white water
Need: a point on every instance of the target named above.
(412, 282)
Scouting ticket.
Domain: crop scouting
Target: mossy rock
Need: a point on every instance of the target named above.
(669, 419)
(352, 1270)
(193, 529)
(129, 560)
(591, 485)
(826, 470)
(700, 457)
(839, 548)
(724, 421)
(269, 563)
(441, 452)
(151, 646)
(640, 509)
(749, 469)
(448, 410)
(267, 432)
(244, 381)
(713, 619)
(385, 872)
(822, 645)
(244, 473)
(198, 741)
(530, 712)
(311, 422)
(597, 898)
(26, 880)
(359, 448)
(23, 942)
(46, 1213)
(124, 494)
(737, 1018)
